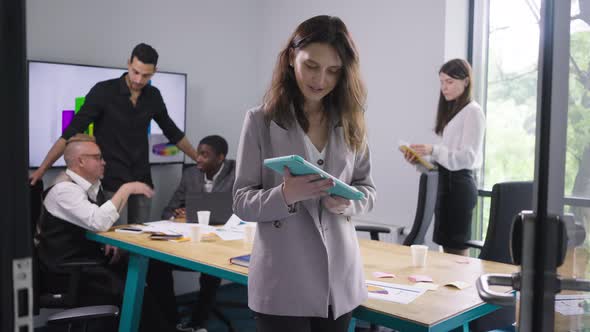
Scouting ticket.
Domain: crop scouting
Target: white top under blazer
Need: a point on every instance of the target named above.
(462, 140)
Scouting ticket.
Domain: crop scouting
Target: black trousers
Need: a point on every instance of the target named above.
(206, 300)
(273, 323)
(456, 198)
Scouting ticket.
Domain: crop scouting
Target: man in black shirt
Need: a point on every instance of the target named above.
(121, 110)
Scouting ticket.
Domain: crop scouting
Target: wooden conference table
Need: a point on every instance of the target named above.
(576, 265)
(444, 309)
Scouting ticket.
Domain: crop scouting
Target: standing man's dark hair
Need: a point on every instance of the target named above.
(218, 143)
(145, 53)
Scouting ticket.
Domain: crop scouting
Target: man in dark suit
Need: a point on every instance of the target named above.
(213, 173)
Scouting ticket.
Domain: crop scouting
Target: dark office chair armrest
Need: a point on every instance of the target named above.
(83, 314)
(476, 244)
(373, 230)
(81, 263)
(73, 269)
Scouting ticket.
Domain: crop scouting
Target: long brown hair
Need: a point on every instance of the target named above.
(345, 103)
(457, 69)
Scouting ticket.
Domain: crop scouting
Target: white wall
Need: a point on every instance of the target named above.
(401, 45)
(228, 49)
(456, 29)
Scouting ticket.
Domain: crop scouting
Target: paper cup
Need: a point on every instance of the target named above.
(419, 255)
(203, 217)
(249, 233)
(195, 232)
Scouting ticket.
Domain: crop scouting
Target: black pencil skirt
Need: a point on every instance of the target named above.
(456, 198)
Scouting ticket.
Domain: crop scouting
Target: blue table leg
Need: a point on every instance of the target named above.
(463, 328)
(133, 297)
(352, 324)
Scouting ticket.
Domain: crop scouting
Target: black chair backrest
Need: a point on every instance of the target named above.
(36, 194)
(36, 202)
(374, 231)
(508, 199)
(424, 208)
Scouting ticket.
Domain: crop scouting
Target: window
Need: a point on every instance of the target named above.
(511, 103)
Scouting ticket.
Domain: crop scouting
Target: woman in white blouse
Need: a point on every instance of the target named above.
(461, 123)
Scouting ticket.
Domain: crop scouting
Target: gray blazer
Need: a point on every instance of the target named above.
(192, 182)
(299, 265)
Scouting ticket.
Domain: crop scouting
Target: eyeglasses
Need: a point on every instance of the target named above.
(96, 156)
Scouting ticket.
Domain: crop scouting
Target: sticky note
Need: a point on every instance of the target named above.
(420, 278)
(378, 274)
(458, 284)
(182, 239)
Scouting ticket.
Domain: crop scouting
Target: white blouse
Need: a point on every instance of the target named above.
(316, 157)
(462, 140)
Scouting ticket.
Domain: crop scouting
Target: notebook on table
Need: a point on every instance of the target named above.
(243, 260)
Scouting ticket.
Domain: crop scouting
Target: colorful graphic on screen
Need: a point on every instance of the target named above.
(165, 149)
(56, 93)
(68, 115)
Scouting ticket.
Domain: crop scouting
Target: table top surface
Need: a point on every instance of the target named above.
(431, 308)
(575, 266)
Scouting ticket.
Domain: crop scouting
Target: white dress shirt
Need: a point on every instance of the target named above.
(462, 140)
(208, 184)
(68, 200)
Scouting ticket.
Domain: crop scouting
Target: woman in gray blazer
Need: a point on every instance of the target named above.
(306, 272)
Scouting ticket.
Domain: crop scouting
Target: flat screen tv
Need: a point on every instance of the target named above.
(57, 91)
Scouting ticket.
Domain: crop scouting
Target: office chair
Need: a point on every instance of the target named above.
(374, 231)
(508, 200)
(424, 209)
(424, 212)
(74, 316)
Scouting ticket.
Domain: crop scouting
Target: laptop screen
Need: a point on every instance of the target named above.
(219, 203)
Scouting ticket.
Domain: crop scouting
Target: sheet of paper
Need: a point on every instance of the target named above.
(233, 229)
(170, 227)
(427, 285)
(393, 292)
(227, 235)
(571, 305)
(233, 223)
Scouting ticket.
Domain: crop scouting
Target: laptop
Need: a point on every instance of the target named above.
(219, 203)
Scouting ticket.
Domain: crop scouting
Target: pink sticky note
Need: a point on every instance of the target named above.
(420, 278)
(383, 275)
